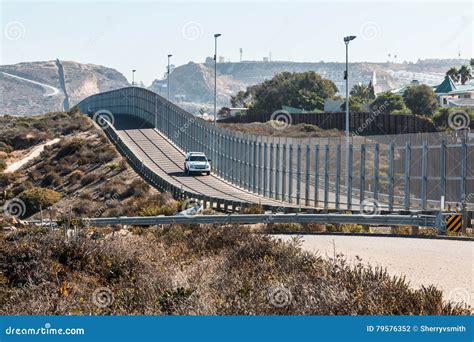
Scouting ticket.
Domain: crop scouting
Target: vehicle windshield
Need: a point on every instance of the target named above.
(197, 158)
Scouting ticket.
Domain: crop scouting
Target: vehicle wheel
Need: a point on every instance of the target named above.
(208, 173)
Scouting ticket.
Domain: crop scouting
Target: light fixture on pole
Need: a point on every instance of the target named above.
(215, 76)
(346, 77)
(169, 56)
(133, 77)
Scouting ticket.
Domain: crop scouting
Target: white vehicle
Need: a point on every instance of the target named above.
(197, 162)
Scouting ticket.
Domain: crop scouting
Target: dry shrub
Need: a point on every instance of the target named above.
(76, 176)
(252, 209)
(209, 269)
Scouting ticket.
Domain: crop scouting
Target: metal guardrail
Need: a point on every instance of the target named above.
(389, 220)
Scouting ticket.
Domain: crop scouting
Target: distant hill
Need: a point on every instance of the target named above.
(193, 83)
(33, 88)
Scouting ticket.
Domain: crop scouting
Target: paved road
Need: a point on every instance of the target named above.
(53, 91)
(448, 264)
(167, 161)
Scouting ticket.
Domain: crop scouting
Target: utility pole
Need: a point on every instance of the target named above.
(346, 77)
(169, 56)
(217, 35)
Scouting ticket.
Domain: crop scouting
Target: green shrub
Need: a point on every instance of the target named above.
(70, 148)
(36, 198)
(3, 164)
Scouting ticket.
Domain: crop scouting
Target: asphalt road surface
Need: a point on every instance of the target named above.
(447, 264)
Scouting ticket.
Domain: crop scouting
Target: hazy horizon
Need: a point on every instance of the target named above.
(125, 35)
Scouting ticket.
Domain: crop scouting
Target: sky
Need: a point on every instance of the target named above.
(128, 35)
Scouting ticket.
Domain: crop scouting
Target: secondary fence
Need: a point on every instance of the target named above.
(398, 172)
(375, 124)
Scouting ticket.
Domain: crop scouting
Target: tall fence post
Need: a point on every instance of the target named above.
(376, 171)
(307, 179)
(270, 180)
(259, 169)
(326, 177)
(298, 174)
(265, 170)
(362, 176)
(424, 174)
(349, 178)
(283, 174)
(463, 170)
(407, 174)
(254, 167)
(290, 174)
(338, 175)
(442, 171)
(391, 179)
(277, 172)
(316, 175)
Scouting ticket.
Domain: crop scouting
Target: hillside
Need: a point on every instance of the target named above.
(160, 270)
(34, 88)
(193, 84)
(82, 171)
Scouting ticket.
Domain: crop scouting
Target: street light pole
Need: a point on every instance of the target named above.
(133, 77)
(346, 77)
(215, 76)
(169, 56)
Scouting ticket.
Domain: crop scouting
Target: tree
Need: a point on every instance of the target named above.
(464, 74)
(388, 102)
(453, 73)
(363, 93)
(306, 90)
(420, 99)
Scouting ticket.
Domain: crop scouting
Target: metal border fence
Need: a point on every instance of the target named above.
(400, 172)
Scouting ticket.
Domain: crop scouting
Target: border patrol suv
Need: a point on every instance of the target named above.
(197, 162)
